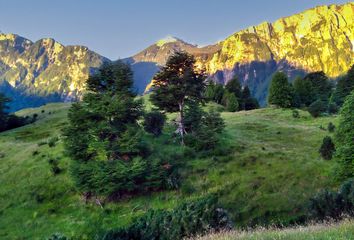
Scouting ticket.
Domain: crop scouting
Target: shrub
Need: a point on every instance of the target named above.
(296, 113)
(327, 148)
(333, 205)
(52, 141)
(331, 127)
(317, 108)
(186, 220)
(154, 122)
(54, 166)
(326, 205)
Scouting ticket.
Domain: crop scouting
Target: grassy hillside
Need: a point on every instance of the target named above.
(339, 231)
(274, 167)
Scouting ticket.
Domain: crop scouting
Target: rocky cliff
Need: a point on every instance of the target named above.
(34, 73)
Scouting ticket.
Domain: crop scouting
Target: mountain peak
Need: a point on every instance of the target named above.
(168, 39)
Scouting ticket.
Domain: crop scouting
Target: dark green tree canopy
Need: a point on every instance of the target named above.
(344, 86)
(177, 82)
(345, 139)
(281, 92)
(234, 86)
(321, 87)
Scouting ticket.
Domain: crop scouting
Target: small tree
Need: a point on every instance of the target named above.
(230, 101)
(280, 91)
(247, 102)
(331, 127)
(177, 83)
(345, 139)
(234, 86)
(154, 122)
(327, 148)
(317, 107)
(303, 90)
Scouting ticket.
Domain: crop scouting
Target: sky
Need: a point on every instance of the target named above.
(121, 28)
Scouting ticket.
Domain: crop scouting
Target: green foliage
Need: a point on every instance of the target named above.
(8, 121)
(333, 205)
(214, 92)
(54, 166)
(57, 236)
(331, 127)
(281, 92)
(295, 113)
(230, 101)
(319, 84)
(344, 86)
(186, 220)
(204, 128)
(154, 122)
(234, 86)
(105, 141)
(317, 108)
(52, 141)
(344, 139)
(176, 83)
(332, 108)
(327, 148)
(247, 101)
(303, 90)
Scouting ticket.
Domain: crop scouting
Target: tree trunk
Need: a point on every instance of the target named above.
(181, 129)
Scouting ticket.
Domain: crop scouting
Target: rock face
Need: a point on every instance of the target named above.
(319, 39)
(35, 73)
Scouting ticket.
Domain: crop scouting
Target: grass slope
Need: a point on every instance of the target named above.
(273, 169)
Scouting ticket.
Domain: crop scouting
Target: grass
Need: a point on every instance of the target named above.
(267, 177)
(325, 231)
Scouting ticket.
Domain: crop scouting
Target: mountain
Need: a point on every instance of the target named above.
(33, 73)
(318, 39)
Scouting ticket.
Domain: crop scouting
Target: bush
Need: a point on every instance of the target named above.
(327, 148)
(317, 108)
(186, 220)
(52, 141)
(328, 205)
(54, 166)
(154, 122)
(331, 127)
(296, 113)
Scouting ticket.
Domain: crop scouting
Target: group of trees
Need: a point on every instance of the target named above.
(314, 92)
(232, 95)
(105, 137)
(7, 120)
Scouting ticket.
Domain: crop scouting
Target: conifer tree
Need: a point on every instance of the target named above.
(177, 83)
(280, 91)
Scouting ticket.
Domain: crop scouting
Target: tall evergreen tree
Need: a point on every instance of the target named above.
(280, 91)
(247, 102)
(103, 137)
(177, 83)
(303, 90)
(321, 87)
(3, 114)
(234, 86)
(345, 139)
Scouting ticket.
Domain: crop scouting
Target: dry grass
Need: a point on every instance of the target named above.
(329, 230)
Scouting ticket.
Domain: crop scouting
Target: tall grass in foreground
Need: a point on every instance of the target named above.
(325, 231)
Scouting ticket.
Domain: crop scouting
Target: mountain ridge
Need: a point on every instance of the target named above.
(317, 39)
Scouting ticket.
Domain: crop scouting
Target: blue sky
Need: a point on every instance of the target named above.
(118, 29)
